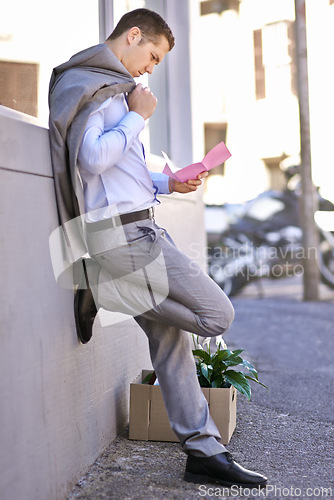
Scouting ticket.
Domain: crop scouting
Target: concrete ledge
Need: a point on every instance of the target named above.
(19, 135)
(62, 402)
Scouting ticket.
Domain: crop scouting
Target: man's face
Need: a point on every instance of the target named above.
(141, 58)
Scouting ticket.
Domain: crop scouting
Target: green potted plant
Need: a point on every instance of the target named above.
(220, 381)
(214, 366)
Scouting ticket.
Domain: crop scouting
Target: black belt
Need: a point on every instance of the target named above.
(120, 220)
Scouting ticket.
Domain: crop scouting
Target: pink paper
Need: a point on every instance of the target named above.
(213, 158)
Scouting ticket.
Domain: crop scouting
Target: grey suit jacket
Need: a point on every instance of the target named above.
(77, 88)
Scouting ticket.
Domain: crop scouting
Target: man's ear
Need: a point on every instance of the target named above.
(134, 35)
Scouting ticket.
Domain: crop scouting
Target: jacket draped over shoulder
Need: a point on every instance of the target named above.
(77, 88)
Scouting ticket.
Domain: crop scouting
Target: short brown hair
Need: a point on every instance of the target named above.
(150, 23)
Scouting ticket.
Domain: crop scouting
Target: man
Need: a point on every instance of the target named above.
(96, 115)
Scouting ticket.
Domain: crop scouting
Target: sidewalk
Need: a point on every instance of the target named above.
(286, 433)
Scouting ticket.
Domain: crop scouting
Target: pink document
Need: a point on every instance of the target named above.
(212, 159)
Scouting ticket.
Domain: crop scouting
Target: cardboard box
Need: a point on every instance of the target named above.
(148, 416)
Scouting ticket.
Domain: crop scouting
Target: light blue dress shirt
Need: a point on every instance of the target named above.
(112, 163)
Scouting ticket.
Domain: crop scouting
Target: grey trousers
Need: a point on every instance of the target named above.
(169, 296)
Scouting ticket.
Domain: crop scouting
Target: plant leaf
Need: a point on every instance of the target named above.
(217, 382)
(256, 380)
(237, 352)
(206, 371)
(219, 368)
(233, 354)
(202, 355)
(218, 360)
(203, 382)
(147, 378)
(250, 367)
(220, 355)
(239, 381)
(234, 361)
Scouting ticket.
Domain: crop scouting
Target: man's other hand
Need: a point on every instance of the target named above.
(188, 186)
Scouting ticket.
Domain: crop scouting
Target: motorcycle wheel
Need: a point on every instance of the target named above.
(230, 284)
(326, 262)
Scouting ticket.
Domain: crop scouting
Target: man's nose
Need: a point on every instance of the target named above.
(149, 68)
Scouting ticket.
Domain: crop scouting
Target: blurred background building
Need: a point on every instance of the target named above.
(253, 99)
(242, 73)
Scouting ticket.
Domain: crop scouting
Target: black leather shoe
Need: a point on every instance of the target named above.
(221, 469)
(84, 311)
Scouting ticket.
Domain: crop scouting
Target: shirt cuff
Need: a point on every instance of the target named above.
(133, 121)
(161, 182)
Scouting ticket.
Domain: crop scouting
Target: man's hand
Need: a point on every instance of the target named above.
(188, 186)
(142, 101)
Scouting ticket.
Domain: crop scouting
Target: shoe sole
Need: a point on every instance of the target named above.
(200, 478)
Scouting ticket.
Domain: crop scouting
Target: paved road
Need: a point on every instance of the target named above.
(286, 433)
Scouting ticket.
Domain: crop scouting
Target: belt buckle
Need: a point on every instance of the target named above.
(151, 213)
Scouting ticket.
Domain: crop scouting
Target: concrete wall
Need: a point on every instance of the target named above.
(62, 402)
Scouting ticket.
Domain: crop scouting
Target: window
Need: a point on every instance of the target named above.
(276, 176)
(18, 86)
(274, 59)
(260, 84)
(218, 6)
(213, 134)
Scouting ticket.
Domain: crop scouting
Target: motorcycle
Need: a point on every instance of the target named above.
(265, 240)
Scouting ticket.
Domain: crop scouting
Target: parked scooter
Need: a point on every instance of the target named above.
(266, 240)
